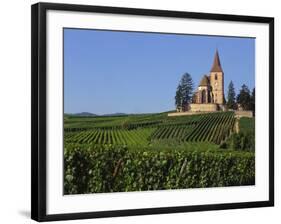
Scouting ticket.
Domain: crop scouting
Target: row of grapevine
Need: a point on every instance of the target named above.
(208, 128)
(213, 128)
(143, 124)
(115, 137)
(177, 128)
(171, 132)
(124, 126)
(198, 129)
(224, 129)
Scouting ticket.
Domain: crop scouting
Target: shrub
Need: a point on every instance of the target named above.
(241, 141)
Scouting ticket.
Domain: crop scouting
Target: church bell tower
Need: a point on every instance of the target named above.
(217, 80)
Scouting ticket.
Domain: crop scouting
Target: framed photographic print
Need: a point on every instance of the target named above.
(139, 111)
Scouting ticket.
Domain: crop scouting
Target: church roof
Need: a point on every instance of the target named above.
(204, 81)
(216, 64)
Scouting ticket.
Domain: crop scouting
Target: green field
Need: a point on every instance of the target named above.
(247, 125)
(154, 151)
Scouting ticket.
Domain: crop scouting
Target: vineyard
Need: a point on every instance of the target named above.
(142, 130)
(154, 151)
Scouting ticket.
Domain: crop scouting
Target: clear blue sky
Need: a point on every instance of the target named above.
(134, 72)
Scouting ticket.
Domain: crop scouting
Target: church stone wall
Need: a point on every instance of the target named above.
(217, 86)
(206, 107)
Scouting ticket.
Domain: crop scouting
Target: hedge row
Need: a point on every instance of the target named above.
(113, 169)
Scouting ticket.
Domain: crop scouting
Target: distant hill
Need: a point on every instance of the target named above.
(83, 114)
(114, 114)
(88, 114)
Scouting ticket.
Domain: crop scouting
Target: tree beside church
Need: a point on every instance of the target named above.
(184, 92)
(231, 97)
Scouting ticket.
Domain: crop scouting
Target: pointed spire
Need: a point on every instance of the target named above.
(216, 64)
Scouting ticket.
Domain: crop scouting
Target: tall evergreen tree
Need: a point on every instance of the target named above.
(244, 97)
(178, 97)
(231, 101)
(184, 91)
(186, 88)
(253, 97)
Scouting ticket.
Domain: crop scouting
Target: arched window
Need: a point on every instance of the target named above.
(203, 99)
(208, 97)
(216, 77)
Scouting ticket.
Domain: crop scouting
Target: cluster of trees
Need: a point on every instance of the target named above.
(245, 98)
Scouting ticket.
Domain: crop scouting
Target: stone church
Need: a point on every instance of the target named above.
(209, 95)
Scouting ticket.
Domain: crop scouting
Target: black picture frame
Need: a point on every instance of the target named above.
(38, 108)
